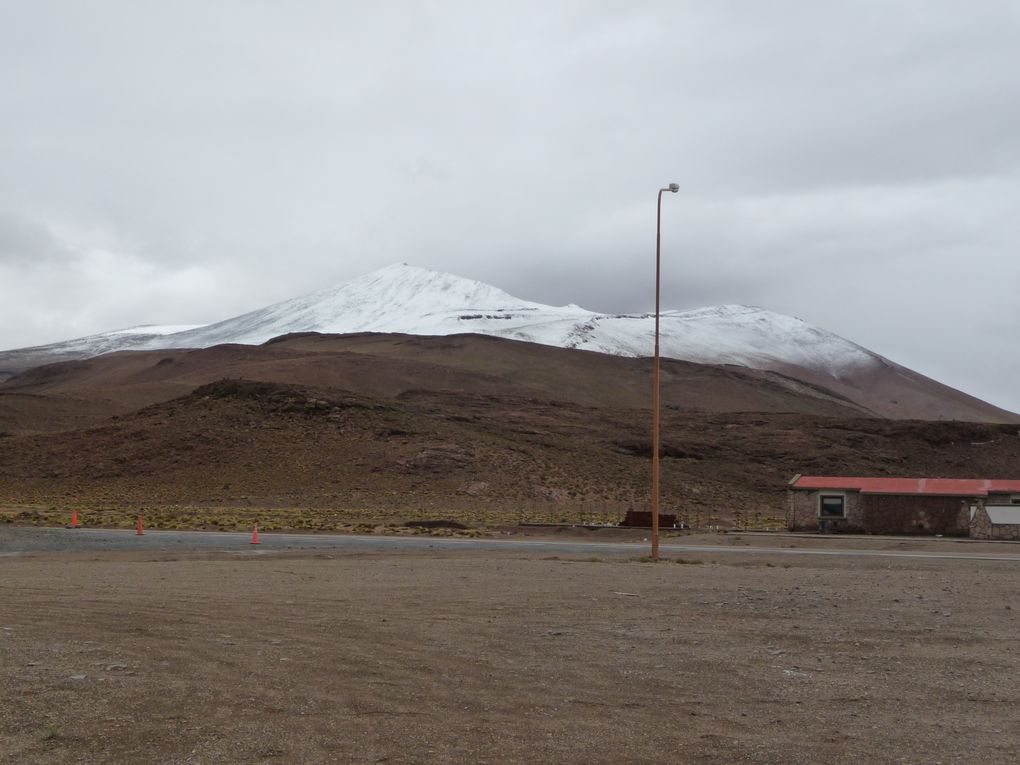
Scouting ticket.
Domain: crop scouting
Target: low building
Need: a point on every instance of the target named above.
(996, 522)
(975, 507)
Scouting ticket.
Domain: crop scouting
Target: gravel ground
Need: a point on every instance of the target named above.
(211, 657)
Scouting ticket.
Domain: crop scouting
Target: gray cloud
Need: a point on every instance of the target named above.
(855, 164)
(28, 243)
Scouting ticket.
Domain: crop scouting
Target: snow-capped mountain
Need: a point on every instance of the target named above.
(398, 298)
(132, 338)
(118, 340)
(407, 299)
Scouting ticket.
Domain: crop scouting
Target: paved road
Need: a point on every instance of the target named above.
(14, 541)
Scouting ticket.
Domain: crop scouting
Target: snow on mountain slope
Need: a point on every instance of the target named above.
(131, 338)
(412, 300)
(155, 329)
(407, 299)
(398, 298)
(729, 334)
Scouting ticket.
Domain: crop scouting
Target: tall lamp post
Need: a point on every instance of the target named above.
(673, 187)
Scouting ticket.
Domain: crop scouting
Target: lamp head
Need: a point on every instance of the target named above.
(674, 187)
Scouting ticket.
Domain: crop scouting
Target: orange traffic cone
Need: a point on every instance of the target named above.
(141, 529)
(255, 535)
(74, 520)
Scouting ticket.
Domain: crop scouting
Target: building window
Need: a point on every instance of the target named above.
(832, 506)
(1015, 499)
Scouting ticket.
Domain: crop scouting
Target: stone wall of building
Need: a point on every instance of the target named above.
(981, 527)
(916, 514)
(882, 514)
(802, 512)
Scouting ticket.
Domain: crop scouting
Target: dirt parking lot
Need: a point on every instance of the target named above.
(504, 658)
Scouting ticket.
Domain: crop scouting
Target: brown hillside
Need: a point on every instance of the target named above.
(236, 442)
(476, 362)
(432, 423)
(390, 365)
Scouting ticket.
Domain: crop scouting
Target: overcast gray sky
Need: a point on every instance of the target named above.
(856, 164)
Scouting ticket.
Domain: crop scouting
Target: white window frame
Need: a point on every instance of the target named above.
(825, 494)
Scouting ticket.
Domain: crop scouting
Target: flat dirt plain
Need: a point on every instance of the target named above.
(422, 657)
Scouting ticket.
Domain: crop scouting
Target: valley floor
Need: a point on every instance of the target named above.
(334, 656)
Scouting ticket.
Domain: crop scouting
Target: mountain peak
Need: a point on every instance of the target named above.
(406, 299)
(401, 284)
(403, 298)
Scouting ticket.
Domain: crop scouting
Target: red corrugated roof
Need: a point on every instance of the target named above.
(954, 487)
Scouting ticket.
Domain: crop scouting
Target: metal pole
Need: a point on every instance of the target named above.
(655, 394)
(673, 187)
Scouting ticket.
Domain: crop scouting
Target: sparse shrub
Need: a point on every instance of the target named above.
(49, 733)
